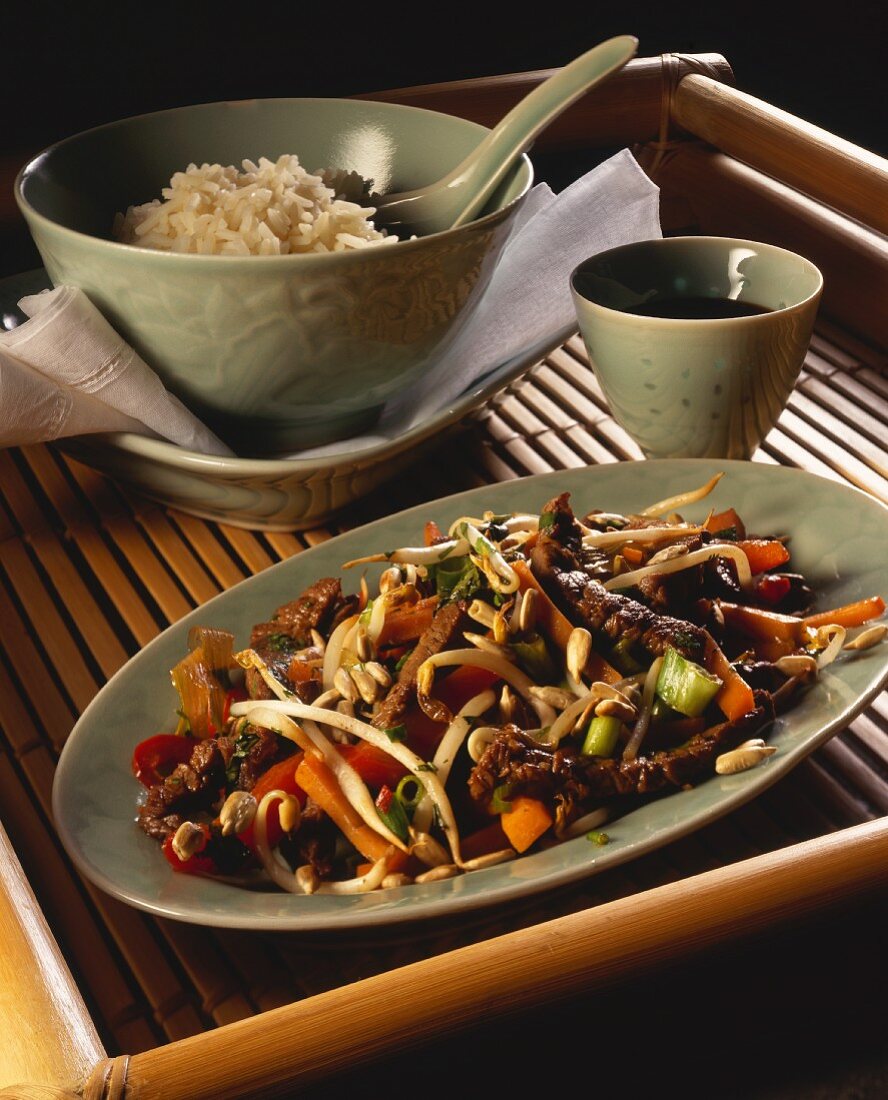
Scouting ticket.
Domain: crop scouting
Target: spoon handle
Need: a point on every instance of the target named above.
(481, 172)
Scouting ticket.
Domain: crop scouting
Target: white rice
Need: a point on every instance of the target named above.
(268, 209)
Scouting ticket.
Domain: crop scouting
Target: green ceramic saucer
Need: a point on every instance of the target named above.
(838, 540)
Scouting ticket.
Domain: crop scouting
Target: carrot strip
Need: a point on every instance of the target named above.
(851, 614)
(558, 627)
(723, 521)
(764, 553)
(320, 784)
(407, 622)
(735, 696)
(763, 624)
(633, 555)
(525, 822)
(432, 533)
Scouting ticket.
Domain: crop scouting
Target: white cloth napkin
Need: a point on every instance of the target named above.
(528, 298)
(66, 371)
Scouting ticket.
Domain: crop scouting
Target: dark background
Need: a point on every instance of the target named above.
(67, 67)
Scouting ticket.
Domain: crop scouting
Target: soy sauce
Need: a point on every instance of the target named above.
(697, 309)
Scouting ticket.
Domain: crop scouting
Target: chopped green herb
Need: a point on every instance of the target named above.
(245, 740)
(684, 639)
(457, 579)
(547, 521)
(280, 643)
(596, 836)
(426, 767)
(728, 534)
(403, 660)
(396, 733)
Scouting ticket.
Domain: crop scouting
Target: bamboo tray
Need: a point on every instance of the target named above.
(157, 1009)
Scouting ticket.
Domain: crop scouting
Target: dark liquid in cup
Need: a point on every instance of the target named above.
(697, 309)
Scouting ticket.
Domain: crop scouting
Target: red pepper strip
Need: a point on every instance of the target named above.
(281, 777)
(489, 839)
(454, 691)
(156, 757)
(772, 589)
(234, 695)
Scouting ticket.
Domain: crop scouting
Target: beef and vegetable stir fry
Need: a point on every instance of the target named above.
(512, 683)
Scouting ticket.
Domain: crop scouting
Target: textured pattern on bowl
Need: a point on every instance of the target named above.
(273, 352)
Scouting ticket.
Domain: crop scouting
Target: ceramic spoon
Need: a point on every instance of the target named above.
(462, 194)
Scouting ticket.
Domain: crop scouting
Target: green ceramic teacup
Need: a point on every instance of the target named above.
(697, 386)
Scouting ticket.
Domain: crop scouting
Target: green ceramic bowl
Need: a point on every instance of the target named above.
(276, 352)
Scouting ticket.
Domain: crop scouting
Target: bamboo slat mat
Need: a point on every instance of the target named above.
(89, 574)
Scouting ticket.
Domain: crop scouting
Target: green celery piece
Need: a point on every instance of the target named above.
(621, 656)
(685, 686)
(601, 736)
(660, 712)
(533, 656)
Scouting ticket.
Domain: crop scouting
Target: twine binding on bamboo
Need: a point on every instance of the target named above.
(674, 68)
(107, 1080)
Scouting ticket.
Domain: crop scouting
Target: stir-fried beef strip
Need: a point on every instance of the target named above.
(266, 749)
(557, 562)
(580, 782)
(190, 788)
(289, 630)
(314, 842)
(444, 631)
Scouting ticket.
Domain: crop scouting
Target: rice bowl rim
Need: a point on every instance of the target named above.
(228, 260)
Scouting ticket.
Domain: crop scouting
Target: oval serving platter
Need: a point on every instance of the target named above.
(838, 538)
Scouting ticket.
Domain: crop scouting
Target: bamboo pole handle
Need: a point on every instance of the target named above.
(47, 1035)
(826, 167)
(625, 109)
(730, 199)
(346, 1027)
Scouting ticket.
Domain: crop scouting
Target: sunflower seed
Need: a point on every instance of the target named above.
(579, 649)
(345, 685)
(289, 813)
(743, 758)
(188, 840)
(307, 878)
(444, 870)
(237, 813)
(868, 638)
(367, 687)
(527, 614)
